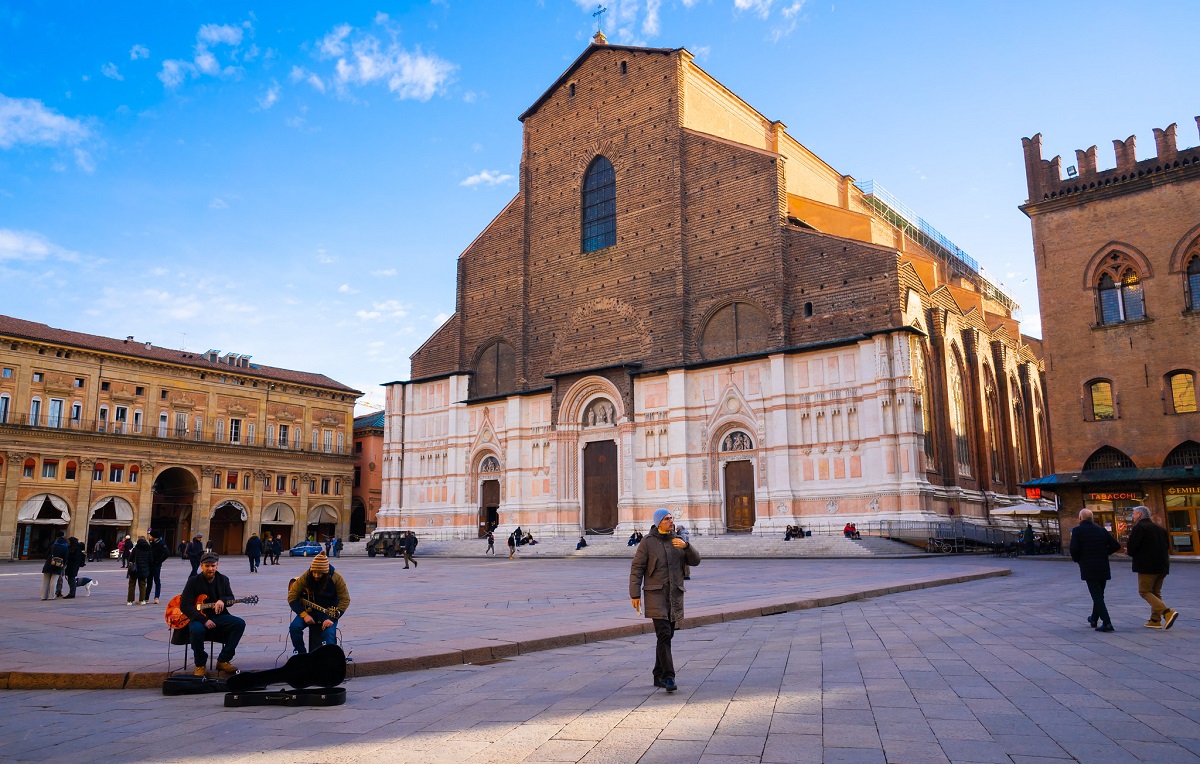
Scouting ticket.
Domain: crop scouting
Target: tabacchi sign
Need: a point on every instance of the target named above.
(1126, 495)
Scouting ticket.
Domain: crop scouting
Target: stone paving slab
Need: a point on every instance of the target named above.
(442, 612)
(998, 670)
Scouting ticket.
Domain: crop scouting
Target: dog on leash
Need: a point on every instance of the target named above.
(85, 583)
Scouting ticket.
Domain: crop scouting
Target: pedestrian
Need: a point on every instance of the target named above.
(195, 550)
(76, 559)
(1029, 546)
(121, 546)
(657, 570)
(276, 549)
(98, 551)
(337, 546)
(56, 562)
(139, 571)
(410, 546)
(328, 547)
(1090, 547)
(254, 551)
(512, 544)
(158, 555)
(1150, 547)
(183, 550)
(491, 547)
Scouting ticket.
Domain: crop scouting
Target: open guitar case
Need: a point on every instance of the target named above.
(313, 676)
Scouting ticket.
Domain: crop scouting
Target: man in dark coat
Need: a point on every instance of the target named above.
(1090, 547)
(657, 570)
(1150, 547)
(254, 549)
(139, 571)
(158, 555)
(195, 550)
(76, 559)
(56, 562)
(215, 623)
(410, 546)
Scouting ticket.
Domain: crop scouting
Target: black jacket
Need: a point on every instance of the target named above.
(194, 551)
(76, 559)
(1150, 547)
(58, 552)
(1090, 547)
(219, 589)
(139, 560)
(158, 554)
(254, 547)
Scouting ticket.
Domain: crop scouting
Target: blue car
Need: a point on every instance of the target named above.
(306, 549)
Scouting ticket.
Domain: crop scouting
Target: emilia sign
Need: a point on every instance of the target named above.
(1123, 495)
(1183, 489)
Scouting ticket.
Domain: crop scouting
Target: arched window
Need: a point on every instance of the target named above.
(993, 416)
(1193, 283)
(1100, 403)
(735, 329)
(599, 205)
(1182, 386)
(1186, 454)
(1019, 439)
(1121, 301)
(1108, 458)
(930, 445)
(495, 371)
(959, 418)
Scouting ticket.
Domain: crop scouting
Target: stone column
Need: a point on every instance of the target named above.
(9, 507)
(299, 530)
(144, 508)
(258, 504)
(83, 501)
(343, 526)
(202, 504)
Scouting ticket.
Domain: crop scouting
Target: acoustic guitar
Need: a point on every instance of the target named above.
(176, 618)
(325, 666)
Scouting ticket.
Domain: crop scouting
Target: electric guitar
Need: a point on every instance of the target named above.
(329, 612)
(176, 618)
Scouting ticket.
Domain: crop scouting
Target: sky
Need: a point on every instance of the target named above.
(295, 181)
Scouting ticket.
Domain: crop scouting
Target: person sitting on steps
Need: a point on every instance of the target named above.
(319, 597)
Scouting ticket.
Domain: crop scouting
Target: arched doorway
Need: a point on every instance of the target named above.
(110, 519)
(600, 487)
(322, 522)
(739, 496)
(358, 518)
(489, 495)
(228, 527)
(171, 508)
(38, 520)
(278, 519)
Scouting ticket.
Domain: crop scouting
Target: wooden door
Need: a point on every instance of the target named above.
(489, 507)
(600, 487)
(739, 496)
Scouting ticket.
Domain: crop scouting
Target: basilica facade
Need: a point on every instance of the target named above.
(684, 307)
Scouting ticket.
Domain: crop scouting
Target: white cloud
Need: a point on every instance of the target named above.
(204, 61)
(110, 70)
(215, 34)
(30, 245)
(84, 160)
(174, 72)
(486, 178)
(324, 258)
(312, 78)
(650, 25)
(384, 272)
(218, 203)
(25, 121)
(363, 59)
(761, 7)
(347, 289)
(270, 97)
(381, 311)
(138, 51)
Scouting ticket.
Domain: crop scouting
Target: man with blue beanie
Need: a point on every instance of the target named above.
(657, 570)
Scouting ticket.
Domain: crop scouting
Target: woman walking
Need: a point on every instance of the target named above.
(139, 571)
(56, 562)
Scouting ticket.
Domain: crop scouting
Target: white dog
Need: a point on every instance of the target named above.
(86, 584)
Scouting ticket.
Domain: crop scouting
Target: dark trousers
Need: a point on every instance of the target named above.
(298, 627)
(155, 581)
(229, 630)
(1099, 610)
(255, 560)
(664, 664)
(409, 558)
(195, 565)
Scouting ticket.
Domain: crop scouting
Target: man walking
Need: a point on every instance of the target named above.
(1090, 547)
(158, 555)
(195, 550)
(491, 547)
(1150, 548)
(658, 570)
(254, 550)
(410, 546)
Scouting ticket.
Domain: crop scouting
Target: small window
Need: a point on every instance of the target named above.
(358, 446)
(357, 476)
(37, 376)
(295, 484)
(324, 485)
(76, 412)
(79, 381)
(27, 470)
(116, 473)
(104, 386)
(1121, 301)
(283, 436)
(69, 472)
(139, 391)
(162, 395)
(6, 373)
(337, 488)
(808, 311)
(1183, 392)
(50, 469)
(216, 480)
(98, 473)
(246, 482)
(281, 483)
(624, 67)
(1193, 284)
(235, 431)
(1101, 401)
(133, 474)
(571, 90)
(231, 481)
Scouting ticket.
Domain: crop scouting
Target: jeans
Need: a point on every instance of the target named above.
(155, 581)
(1099, 610)
(298, 627)
(664, 664)
(255, 560)
(195, 565)
(1150, 589)
(229, 630)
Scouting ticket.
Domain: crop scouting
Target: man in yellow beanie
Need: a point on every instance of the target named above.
(318, 597)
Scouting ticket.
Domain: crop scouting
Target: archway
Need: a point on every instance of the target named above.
(489, 506)
(358, 518)
(227, 527)
(278, 519)
(110, 519)
(600, 487)
(322, 522)
(171, 508)
(38, 520)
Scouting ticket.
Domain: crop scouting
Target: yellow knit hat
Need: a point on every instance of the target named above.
(320, 563)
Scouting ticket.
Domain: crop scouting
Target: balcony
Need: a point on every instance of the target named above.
(156, 432)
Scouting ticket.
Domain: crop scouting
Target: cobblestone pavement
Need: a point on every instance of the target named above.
(1000, 670)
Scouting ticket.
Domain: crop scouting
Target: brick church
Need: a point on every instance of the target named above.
(684, 307)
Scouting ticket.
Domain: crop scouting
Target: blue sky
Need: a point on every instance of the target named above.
(295, 181)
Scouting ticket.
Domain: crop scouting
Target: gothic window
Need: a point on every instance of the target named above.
(959, 418)
(926, 410)
(495, 371)
(994, 435)
(737, 441)
(1019, 439)
(1101, 405)
(1108, 458)
(1186, 454)
(736, 329)
(1183, 392)
(1193, 283)
(599, 205)
(1121, 298)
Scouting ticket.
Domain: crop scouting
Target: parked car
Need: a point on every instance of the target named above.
(306, 549)
(386, 543)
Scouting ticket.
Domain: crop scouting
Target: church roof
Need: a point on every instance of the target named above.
(579, 62)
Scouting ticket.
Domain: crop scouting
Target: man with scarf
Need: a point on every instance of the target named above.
(319, 597)
(657, 569)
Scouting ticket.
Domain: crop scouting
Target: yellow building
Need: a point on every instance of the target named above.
(102, 437)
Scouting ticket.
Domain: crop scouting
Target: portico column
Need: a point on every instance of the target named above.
(300, 531)
(142, 511)
(83, 501)
(9, 507)
(200, 508)
(256, 508)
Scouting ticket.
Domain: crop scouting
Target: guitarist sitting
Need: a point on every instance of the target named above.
(215, 624)
(318, 596)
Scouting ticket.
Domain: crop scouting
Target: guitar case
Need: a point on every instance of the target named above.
(324, 667)
(187, 684)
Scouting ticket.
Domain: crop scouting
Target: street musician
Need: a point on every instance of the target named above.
(319, 598)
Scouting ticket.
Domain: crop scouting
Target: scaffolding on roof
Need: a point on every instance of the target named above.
(917, 228)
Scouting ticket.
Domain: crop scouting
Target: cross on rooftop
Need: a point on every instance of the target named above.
(599, 13)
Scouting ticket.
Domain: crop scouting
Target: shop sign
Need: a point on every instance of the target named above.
(1033, 493)
(1180, 490)
(1116, 496)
